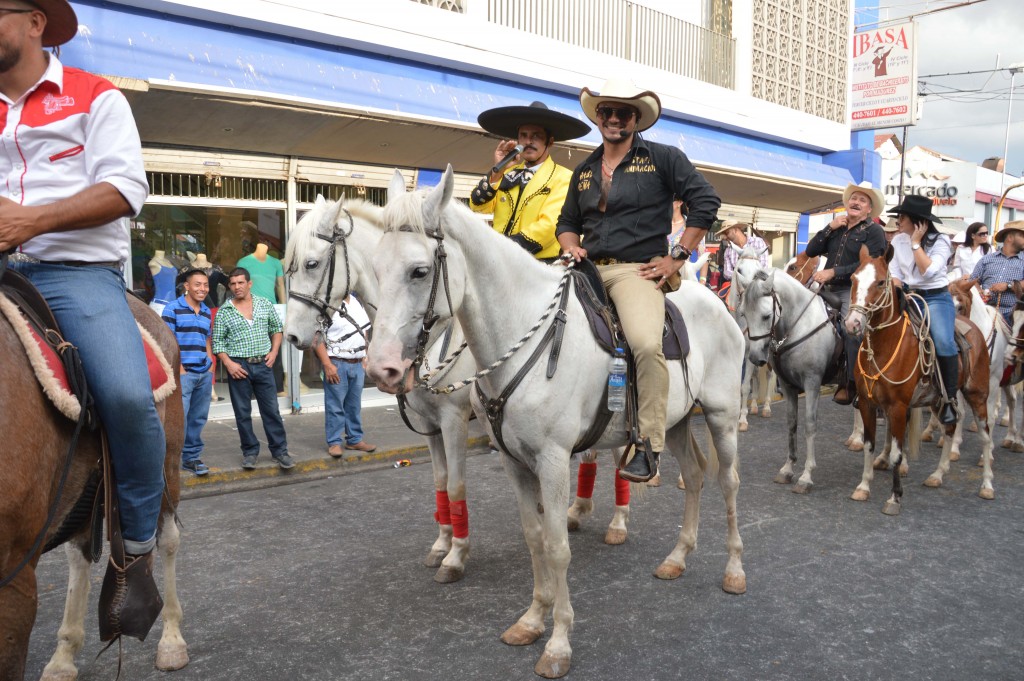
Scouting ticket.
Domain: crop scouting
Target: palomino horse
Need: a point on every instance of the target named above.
(438, 259)
(36, 440)
(348, 233)
(889, 373)
(789, 328)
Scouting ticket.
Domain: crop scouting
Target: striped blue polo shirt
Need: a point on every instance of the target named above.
(191, 330)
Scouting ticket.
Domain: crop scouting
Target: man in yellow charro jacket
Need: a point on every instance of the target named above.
(527, 198)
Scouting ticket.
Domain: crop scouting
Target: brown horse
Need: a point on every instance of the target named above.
(36, 439)
(802, 267)
(889, 372)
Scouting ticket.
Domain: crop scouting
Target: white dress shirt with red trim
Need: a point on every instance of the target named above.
(70, 131)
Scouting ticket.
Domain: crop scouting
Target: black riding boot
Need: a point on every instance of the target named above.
(642, 467)
(950, 370)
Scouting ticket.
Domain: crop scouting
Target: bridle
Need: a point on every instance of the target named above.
(338, 237)
(779, 345)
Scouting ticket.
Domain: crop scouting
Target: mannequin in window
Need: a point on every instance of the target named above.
(267, 274)
(164, 274)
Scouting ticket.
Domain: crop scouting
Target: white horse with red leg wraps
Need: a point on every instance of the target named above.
(437, 259)
(348, 233)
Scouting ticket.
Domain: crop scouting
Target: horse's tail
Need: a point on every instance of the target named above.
(914, 434)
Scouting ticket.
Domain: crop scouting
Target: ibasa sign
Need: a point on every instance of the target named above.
(884, 79)
(950, 185)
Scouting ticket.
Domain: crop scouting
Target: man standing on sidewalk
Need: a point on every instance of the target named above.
(247, 337)
(343, 355)
(189, 319)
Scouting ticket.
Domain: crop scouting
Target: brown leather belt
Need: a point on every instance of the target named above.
(613, 261)
(350, 360)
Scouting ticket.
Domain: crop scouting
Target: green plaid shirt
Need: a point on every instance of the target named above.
(236, 336)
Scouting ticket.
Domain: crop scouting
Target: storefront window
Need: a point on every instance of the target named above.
(168, 239)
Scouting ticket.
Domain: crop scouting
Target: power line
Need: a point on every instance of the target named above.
(886, 22)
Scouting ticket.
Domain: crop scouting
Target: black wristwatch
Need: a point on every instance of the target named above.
(680, 252)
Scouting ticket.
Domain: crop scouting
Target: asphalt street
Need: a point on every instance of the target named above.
(323, 580)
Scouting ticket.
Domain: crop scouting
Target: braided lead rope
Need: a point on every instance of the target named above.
(458, 385)
(446, 363)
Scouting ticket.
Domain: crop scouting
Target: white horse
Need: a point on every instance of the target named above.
(758, 382)
(789, 328)
(438, 259)
(349, 233)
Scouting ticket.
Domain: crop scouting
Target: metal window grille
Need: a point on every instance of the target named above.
(216, 186)
(306, 192)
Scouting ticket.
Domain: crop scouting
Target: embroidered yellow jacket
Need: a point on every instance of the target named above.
(527, 215)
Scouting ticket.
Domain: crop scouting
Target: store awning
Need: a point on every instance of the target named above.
(172, 113)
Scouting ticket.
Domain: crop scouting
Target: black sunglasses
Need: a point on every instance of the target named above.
(623, 114)
(981, 234)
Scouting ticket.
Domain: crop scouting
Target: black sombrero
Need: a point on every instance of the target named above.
(504, 121)
(916, 206)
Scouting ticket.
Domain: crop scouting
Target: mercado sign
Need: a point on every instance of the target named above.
(949, 184)
(884, 78)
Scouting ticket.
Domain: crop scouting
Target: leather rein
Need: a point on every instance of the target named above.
(779, 344)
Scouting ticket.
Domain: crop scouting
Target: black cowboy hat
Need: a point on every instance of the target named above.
(917, 207)
(61, 22)
(504, 121)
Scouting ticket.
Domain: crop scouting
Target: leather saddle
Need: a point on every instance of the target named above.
(604, 322)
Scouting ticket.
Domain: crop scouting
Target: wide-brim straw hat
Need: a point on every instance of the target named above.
(917, 207)
(620, 90)
(958, 238)
(729, 224)
(504, 121)
(891, 225)
(877, 198)
(61, 21)
(1014, 226)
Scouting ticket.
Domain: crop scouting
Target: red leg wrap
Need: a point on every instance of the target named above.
(621, 491)
(585, 481)
(460, 519)
(443, 515)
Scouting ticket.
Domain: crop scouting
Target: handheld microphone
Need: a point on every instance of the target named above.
(509, 157)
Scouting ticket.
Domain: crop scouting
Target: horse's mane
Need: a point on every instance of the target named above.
(302, 237)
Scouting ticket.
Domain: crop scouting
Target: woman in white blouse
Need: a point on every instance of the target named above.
(975, 247)
(920, 254)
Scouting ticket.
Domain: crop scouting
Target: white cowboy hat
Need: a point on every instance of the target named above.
(621, 90)
(958, 238)
(877, 199)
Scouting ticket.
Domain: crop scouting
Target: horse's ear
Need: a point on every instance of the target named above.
(330, 221)
(397, 186)
(888, 253)
(448, 184)
(439, 197)
(320, 201)
(864, 254)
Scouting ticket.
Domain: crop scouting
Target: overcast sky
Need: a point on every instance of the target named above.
(970, 126)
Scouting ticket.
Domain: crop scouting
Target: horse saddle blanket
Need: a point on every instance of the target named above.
(34, 324)
(675, 340)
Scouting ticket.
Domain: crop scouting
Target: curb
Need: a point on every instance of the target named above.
(270, 475)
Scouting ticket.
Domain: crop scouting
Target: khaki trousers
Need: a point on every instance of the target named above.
(641, 309)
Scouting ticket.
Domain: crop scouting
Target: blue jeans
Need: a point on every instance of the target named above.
(343, 404)
(943, 317)
(196, 390)
(89, 304)
(259, 382)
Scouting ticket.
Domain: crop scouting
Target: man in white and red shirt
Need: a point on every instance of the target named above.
(71, 173)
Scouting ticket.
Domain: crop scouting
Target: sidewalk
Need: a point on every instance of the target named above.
(383, 427)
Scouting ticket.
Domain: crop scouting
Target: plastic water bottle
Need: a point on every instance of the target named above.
(617, 382)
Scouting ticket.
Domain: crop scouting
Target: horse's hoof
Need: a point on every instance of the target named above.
(860, 495)
(954, 455)
(783, 478)
(735, 584)
(904, 471)
(753, 409)
(614, 536)
(1006, 444)
(880, 465)
(552, 666)
(1017, 447)
(520, 635)
(932, 481)
(973, 428)
(668, 570)
(766, 412)
(573, 523)
(434, 559)
(1005, 421)
(856, 446)
(891, 508)
(680, 483)
(744, 427)
(59, 674)
(801, 488)
(171, 656)
(987, 493)
(447, 574)
(655, 481)
(927, 437)
(849, 441)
